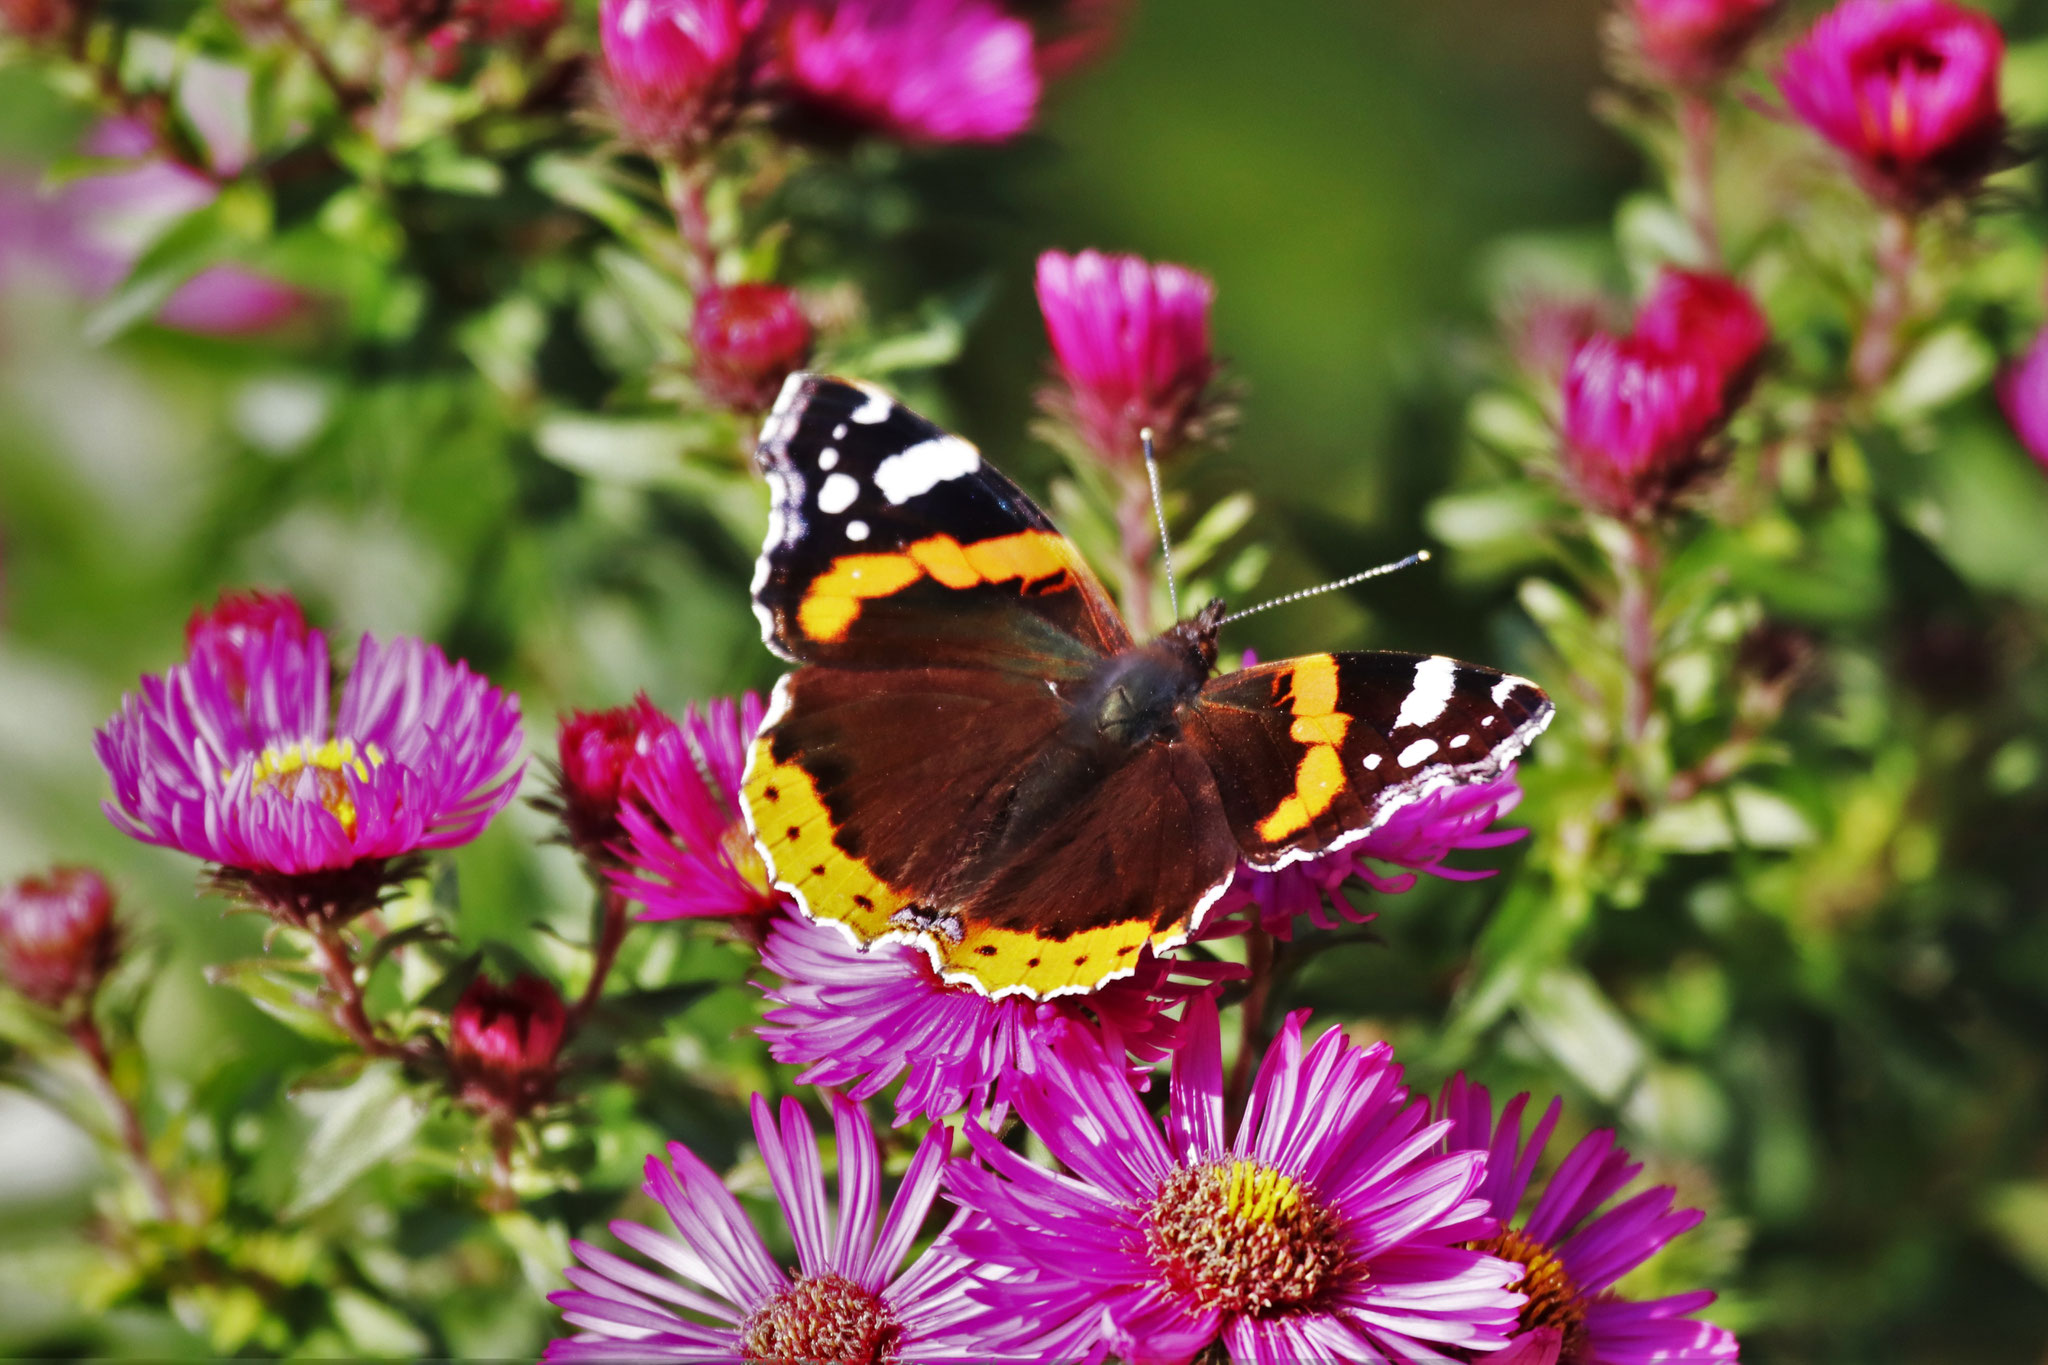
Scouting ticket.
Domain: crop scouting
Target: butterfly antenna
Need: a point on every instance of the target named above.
(1419, 557)
(1159, 511)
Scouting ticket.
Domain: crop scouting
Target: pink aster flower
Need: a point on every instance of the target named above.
(1637, 421)
(862, 1018)
(1328, 1229)
(924, 71)
(719, 1295)
(1710, 319)
(689, 854)
(1571, 1251)
(57, 936)
(2023, 393)
(675, 70)
(1907, 90)
(302, 812)
(748, 339)
(1132, 342)
(1697, 42)
(595, 751)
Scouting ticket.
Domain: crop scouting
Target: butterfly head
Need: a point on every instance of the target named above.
(1196, 637)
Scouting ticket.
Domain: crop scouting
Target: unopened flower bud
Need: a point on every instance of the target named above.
(57, 936)
(748, 339)
(1696, 42)
(503, 1042)
(675, 69)
(221, 636)
(36, 20)
(1710, 319)
(1637, 421)
(594, 750)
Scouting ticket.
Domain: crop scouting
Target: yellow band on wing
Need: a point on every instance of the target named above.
(833, 601)
(1319, 776)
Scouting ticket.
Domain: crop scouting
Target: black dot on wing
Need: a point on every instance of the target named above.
(1081, 960)
(863, 902)
(772, 793)
(987, 950)
(1127, 950)
(818, 870)
(795, 832)
(1032, 963)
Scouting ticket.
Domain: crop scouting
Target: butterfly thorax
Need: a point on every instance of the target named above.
(1135, 696)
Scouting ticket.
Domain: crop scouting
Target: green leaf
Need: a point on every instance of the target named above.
(358, 1128)
(375, 1329)
(1576, 1024)
(202, 238)
(592, 187)
(1951, 363)
(286, 992)
(1217, 525)
(641, 452)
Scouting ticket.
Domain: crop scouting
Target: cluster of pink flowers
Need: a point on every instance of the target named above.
(1641, 411)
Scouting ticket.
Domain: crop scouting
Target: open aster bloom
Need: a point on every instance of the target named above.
(689, 854)
(304, 813)
(1571, 1251)
(861, 1018)
(723, 1299)
(925, 71)
(1328, 1229)
(1416, 838)
(1907, 90)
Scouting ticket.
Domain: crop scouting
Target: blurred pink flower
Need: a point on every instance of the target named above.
(1636, 424)
(36, 19)
(1710, 319)
(57, 936)
(675, 69)
(1907, 90)
(2023, 393)
(924, 71)
(748, 339)
(1697, 42)
(1132, 342)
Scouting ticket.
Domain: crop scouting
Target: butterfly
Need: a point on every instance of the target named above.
(973, 754)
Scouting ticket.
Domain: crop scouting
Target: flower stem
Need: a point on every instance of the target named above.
(400, 64)
(603, 953)
(1878, 343)
(338, 966)
(1637, 569)
(1251, 1038)
(1696, 129)
(693, 223)
(1140, 535)
(86, 1033)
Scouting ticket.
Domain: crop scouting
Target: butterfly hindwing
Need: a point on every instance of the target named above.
(1314, 753)
(892, 543)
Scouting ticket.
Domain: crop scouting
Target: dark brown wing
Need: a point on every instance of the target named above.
(1314, 753)
(893, 544)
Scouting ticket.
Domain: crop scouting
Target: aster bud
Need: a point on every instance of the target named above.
(594, 750)
(499, 21)
(2023, 393)
(675, 69)
(1637, 420)
(1132, 343)
(57, 936)
(36, 20)
(503, 1042)
(748, 339)
(1907, 91)
(924, 71)
(407, 17)
(1695, 43)
(1710, 319)
(220, 636)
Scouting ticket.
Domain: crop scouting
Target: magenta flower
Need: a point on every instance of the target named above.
(1907, 90)
(1710, 319)
(675, 70)
(723, 1298)
(1697, 42)
(1571, 1252)
(862, 1018)
(57, 936)
(595, 751)
(923, 71)
(222, 633)
(1132, 342)
(1636, 424)
(1326, 1230)
(748, 339)
(302, 812)
(502, 1044)
(690, 854)
(2023, 393)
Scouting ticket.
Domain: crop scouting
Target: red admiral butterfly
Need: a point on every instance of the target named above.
(976, 757)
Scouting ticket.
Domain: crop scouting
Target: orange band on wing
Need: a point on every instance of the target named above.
(833, 602)
(1318, 724)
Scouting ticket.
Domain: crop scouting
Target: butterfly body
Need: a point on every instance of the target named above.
(976, 757)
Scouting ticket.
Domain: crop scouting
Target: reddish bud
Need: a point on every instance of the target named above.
(1908, 91)
(1636, 424)
(408, 17)
(595, 749)
(748, 339)
(1132, 342)
(498, 21)
(36, 20)
(675, 68)
(57, 936)
(503, 1042)
(1697, 42)
(2023, 393)
(1710, 319)
(223, 634)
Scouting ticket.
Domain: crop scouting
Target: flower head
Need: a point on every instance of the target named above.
(923, 71)
(690, 854)
(1907, 90)
(1572, 1252)
(502, 1044)
(1637, 420)
(1697, 42)
(1710, 319)
(1132, 342)
(223, 632)
(2023, 393)
(862, 1018)
(300, 811)
(57, 936)
(724, 1298)
(36, 19)
(594, 752)
(675, 70)
(1325, 1229)
(748, 338)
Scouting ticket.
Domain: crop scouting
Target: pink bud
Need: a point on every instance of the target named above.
(499, 21)
(675, 68)
(1710, 319)
(57, 936)
(748, 339)
(920, 70)
(221, 636)
(1636, 424)
(410, 17)
(2023, 393)
(1697, 42)
(502, 1044)
(1907, 90)
(1132, 342)
(35, 20)
(594, 749)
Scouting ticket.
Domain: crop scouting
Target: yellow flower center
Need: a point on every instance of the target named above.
(1240, 1236)
(1554, 1301)
(291, 766)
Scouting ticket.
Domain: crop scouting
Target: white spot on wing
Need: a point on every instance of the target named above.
(1435, 677)
(1461, 741)
(924, 466)
(1503, 689)
(856, 530)
(1371, 761)
(827, 458)
(838, 494)
(876, 409)
(839, 432)
(1416, 752)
